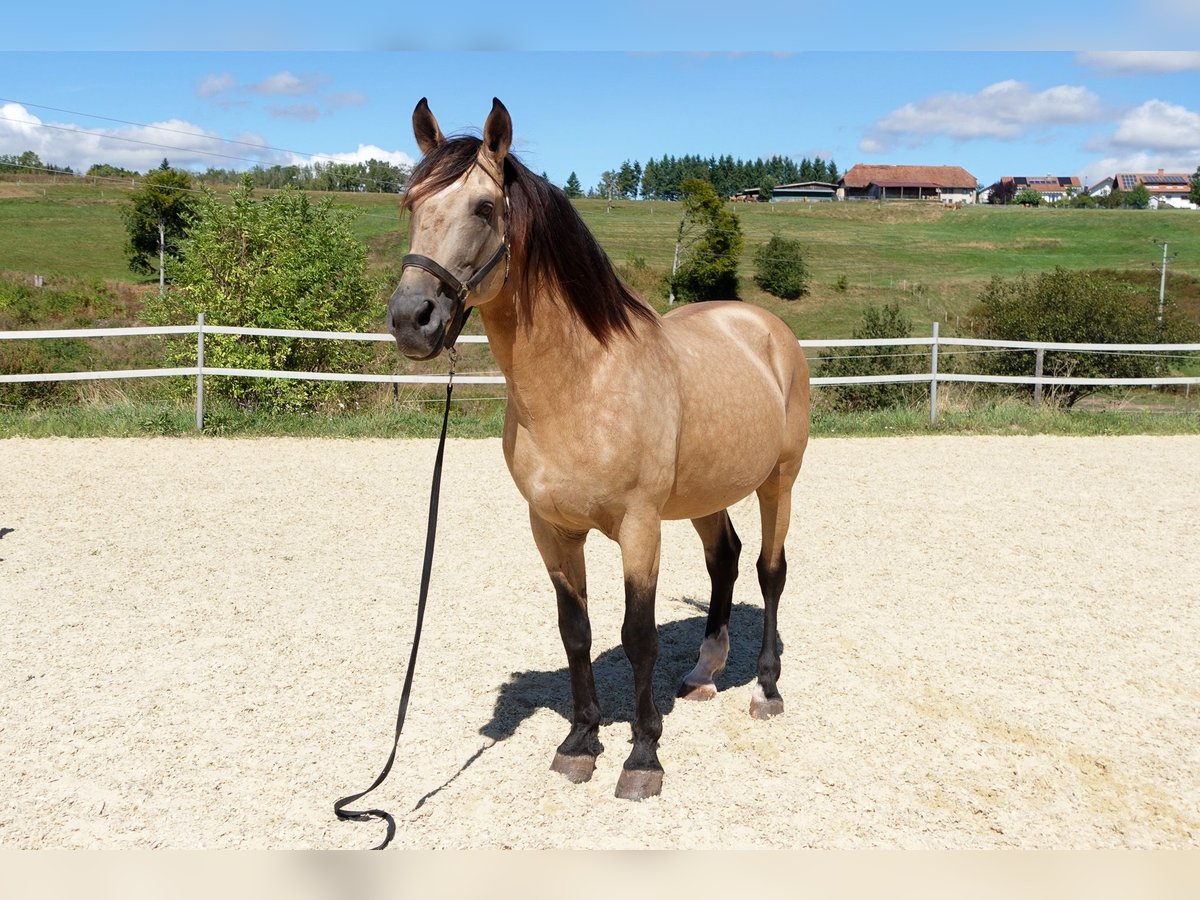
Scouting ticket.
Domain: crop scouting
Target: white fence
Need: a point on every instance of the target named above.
(933, 377)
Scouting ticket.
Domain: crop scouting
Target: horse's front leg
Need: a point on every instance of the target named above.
(563, 554)
(640, 538)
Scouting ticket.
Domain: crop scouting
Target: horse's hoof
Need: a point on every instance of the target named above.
(638, 784)
(764, 707)
(576, 769)
(705, 690)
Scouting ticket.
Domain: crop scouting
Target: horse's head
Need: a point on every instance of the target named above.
(458, 253)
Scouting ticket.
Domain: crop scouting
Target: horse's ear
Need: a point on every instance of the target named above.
(497, 132)
(425, 128)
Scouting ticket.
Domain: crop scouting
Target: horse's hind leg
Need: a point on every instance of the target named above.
(563, 556)
(721, 551)
(775, 507)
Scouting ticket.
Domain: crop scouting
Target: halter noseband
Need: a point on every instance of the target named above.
(459, 290)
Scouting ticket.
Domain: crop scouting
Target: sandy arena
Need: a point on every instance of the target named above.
(989, 642)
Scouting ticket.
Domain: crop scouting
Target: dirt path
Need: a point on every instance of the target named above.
(989, 642)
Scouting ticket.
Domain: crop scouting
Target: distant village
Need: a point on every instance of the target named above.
(955, 185)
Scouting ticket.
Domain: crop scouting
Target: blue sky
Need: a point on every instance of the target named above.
(592, 86)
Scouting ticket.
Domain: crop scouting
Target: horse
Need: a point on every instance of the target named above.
(617, 418)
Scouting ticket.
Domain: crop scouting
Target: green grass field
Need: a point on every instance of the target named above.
(930, 259)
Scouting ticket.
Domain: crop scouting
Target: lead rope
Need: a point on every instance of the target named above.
(364, 815)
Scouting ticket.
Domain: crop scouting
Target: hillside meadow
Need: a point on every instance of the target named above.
(930, 259)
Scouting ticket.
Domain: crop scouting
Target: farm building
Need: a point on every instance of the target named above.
(811, 191)
(1051, 187)
(1166, 188)
(948, 184)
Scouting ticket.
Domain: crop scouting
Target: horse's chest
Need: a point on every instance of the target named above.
(574, 486)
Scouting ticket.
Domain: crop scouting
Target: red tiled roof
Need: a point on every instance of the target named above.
(862, 175)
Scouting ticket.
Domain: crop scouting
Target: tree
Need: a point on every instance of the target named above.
(780, 269)
(707, 248)
(573, 188)
(1194, 191)
(156, 220)
(1028, 197)
(1074, 308)
(282, 262)
(1003, 192)
(1139, 197)
(766, 187)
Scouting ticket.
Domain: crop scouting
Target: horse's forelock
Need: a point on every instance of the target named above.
(440, 168)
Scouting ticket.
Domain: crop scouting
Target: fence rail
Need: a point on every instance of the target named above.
(933, 377)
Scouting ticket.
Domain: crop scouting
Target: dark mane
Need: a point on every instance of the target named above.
(552, 249)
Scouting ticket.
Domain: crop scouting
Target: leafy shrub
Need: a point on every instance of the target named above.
(282, 262)
(877, 322)
(62, 303)
(1074, 308)
(780, 269)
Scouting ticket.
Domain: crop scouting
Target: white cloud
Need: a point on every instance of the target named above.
(142, 147)
(362, 154)
(1142, 61)
(1160, 126)
(212, 85)
(1156, 135)
(136, 147)
(1007, 110)
(872, 145)
(288, 85)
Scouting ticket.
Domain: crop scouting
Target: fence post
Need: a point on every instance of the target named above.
(200, 372)
(1037, 373)
(933, 380)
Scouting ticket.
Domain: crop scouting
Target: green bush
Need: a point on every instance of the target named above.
(62, 304)
(280, 262)
(877, 322)
(1074, 308)
(780, 269)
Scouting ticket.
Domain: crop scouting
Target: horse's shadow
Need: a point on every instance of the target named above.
(678, 642)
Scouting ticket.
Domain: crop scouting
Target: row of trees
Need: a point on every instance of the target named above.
(663, 179)
(22, 163)
(374, 175)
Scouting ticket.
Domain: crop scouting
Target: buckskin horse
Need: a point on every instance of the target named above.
(617, 418)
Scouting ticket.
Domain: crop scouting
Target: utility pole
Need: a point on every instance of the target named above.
(162, 257)
(1162, 283)
(1162, 293)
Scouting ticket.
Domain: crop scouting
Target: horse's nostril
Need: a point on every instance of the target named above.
(424, 314)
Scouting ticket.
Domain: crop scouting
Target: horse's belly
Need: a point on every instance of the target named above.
(719, 473)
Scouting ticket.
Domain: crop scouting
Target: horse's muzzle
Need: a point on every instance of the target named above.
(420, 323)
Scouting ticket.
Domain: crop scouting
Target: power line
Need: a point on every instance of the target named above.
(194, 150)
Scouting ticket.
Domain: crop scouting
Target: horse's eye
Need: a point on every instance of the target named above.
(484, 210)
